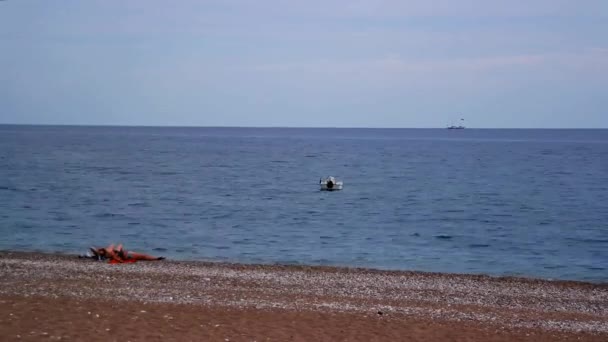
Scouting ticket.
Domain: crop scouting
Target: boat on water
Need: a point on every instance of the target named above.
(461, 126)
(456, 127)
(330, 184)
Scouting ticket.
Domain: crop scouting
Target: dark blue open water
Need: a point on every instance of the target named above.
(500, 202)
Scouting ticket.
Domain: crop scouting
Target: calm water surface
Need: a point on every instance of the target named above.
(500, 202)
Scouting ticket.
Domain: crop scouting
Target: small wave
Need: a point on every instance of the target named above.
(132, 234)
(553, 267)
(107, 215)
(415, 234)
(443, 237)
(244, 241)
(478, 245)
(489, 221)
(587, 240)
(159, 249)
(321, 261)
(8, 188)
(325, 237)
(138, 204)
(168, 173)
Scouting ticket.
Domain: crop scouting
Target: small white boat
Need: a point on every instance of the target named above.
(330, 184)
(461, 126)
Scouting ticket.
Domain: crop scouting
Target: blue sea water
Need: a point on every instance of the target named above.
(499, 202)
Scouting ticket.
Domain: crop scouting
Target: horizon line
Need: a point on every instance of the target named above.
(291, 127)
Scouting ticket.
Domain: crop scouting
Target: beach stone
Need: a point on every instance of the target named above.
(502, 303)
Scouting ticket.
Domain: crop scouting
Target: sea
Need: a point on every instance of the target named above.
(528, 202)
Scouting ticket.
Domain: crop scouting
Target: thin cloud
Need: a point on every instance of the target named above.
(596, 58)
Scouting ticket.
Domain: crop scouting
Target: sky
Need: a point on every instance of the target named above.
(330, 63)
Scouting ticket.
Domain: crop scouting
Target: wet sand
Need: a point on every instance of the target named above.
(57, 297)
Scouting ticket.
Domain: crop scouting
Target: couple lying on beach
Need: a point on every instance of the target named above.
(117, 255)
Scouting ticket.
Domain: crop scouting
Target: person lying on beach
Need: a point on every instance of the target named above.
(119, 255)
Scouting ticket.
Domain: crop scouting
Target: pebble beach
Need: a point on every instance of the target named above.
(66, 298)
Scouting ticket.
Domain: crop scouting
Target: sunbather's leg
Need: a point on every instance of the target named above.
(141, 256)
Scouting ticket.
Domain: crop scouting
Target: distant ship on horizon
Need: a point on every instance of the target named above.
(461, 126)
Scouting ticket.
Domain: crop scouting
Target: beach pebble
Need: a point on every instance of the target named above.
(498, 302)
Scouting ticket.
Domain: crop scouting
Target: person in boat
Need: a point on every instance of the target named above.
(118, 254)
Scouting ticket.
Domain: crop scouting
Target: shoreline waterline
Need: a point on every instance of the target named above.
(330, 269)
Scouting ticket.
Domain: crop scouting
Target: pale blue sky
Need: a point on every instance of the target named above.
(394, 63)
